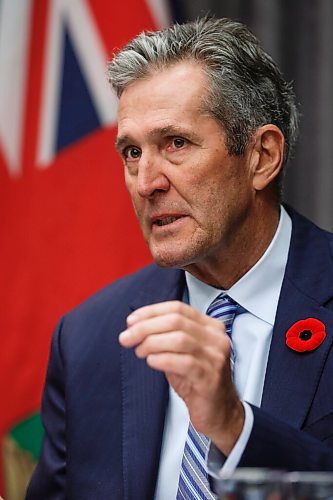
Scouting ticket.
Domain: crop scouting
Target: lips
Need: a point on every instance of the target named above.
(164, 220)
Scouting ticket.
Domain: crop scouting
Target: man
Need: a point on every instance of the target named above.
(205, 125)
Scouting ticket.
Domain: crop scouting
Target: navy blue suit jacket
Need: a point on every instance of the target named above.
(104, 409)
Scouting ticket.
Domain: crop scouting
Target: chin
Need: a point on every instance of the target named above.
(180, 252)
(172, 259)
(166, 261)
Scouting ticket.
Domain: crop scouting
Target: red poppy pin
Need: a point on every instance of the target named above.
(305, 335)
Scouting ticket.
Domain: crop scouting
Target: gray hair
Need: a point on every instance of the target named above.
(247, 89)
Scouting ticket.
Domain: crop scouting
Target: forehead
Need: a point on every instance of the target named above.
(166, 98)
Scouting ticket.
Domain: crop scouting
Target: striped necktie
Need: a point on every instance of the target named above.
(193, 479)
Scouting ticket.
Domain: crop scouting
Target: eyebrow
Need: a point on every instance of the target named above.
(125, 139)
(160, 131)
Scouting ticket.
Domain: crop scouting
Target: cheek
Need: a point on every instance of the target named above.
(131, 189)
(215, 202)
(136, 200)
(209, 196)
(138, 209)
(129, 181)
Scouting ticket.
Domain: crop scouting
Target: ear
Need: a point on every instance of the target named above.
(267, 155)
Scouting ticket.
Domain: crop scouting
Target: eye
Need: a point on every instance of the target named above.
(178, 142)
(131, 153)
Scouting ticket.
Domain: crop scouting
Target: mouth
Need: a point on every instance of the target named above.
(165, 220)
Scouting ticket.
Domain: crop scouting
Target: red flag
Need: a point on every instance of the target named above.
(66, 225)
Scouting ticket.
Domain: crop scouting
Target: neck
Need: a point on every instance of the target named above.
(226, 265)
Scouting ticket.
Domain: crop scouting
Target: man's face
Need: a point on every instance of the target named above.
(190, 196)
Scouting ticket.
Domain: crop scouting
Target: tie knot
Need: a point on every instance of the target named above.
(225, 309)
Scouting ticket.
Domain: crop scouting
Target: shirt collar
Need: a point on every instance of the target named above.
(258, 290)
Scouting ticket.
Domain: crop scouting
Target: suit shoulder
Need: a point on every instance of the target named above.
(304, 226)
(310, 259)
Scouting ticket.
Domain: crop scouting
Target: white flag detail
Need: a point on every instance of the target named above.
(92, 58)
(14, 37)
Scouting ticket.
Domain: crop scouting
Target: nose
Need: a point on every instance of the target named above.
(151, 176)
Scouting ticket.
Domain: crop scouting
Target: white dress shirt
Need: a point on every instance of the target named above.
(258, 293)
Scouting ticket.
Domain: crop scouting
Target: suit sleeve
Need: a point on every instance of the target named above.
(274, 444)
(49, 477)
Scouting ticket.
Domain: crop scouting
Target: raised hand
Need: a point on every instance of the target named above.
(193, 351)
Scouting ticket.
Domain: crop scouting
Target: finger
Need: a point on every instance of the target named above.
(187, 370)
(170, 321)
(219, 354)
(162, 308)
(176, 342)
(184, 365)
(180, 343)
(154, 325)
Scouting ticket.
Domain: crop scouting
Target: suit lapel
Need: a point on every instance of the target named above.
(145, 397)
(291, 377)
